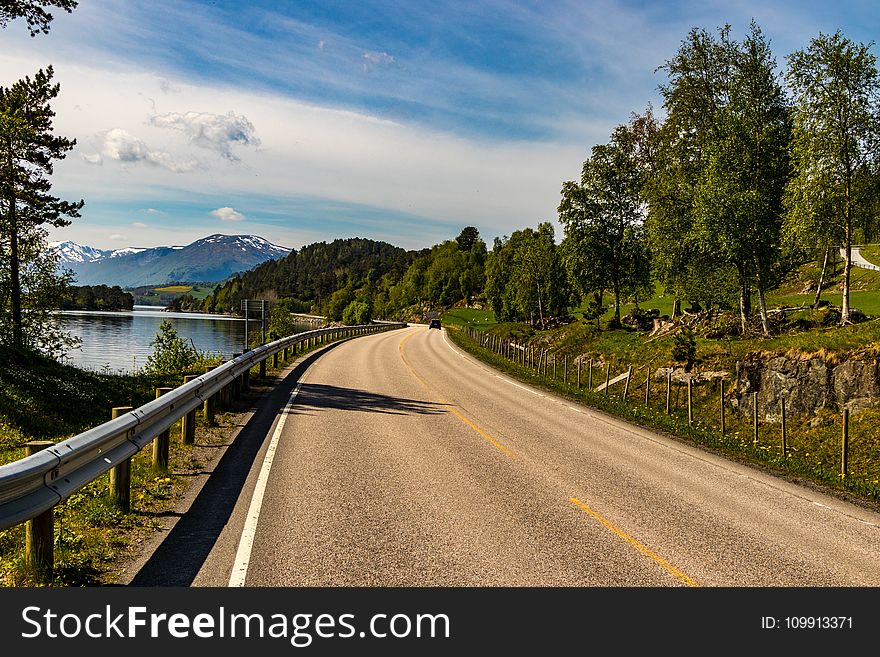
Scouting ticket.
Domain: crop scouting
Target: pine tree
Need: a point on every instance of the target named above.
(28, 148)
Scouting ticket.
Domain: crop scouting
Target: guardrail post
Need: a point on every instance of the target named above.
(275, 360)
(234, 387)
(188, 423)
(286, 354)
(210, 404)
(39, 531)
(162, 442)
(263, 366)
(245, 379)
(120, 475)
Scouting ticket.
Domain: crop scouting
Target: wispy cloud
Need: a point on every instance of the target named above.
(227, 214)
(139, 224)
(374, 59)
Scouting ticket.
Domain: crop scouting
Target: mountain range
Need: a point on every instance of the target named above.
(210, 259)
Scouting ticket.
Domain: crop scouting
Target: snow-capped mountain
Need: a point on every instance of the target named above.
(71, 252)
(212, 258)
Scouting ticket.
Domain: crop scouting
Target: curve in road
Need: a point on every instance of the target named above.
(401, 461)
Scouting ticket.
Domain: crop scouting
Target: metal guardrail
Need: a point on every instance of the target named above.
(34, 484)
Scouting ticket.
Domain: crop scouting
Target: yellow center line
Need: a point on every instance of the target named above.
(452, 409)
(641, 547)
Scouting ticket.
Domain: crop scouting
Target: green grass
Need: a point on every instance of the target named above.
(484, 319)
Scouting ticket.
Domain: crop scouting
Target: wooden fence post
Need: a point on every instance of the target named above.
(607, 376)
(755, 421)
(844, 444)
(690, 402)
(784, 446)
(188, 424)
(590, 376)
(120, 475)
(668, 392)
(39, 532)
(647, 385)
(162, 442)
(629, 374)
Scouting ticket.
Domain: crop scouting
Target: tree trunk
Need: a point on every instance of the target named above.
(540, 306)
(765, 323)
(616, 303)
(743, 308)
(14, 273)
(821, 278)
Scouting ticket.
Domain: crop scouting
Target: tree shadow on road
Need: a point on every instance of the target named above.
(316, 396)
(180, 556)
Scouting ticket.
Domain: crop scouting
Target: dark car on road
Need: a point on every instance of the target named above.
(435, 323)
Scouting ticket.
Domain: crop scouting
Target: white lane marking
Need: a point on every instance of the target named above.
(822, 505)
(246, 544)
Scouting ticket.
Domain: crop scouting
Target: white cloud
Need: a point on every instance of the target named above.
(117, 237)
(139, 224)
(153, 211)
(122, 146)
(218, 132)
(227, 214)
(92, 158)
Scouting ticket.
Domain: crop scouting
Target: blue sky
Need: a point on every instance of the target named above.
(402, 121)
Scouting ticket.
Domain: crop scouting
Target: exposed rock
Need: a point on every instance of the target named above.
(806, 385)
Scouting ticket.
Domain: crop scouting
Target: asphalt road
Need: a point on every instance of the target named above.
(402, 461)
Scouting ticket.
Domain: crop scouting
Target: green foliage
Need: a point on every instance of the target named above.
(309, 276)
(97, 297)
(605, 247)
(594, 308)
(28, 147)
(684, 347)
(281, 322)
(738, 196)
(171, 354)
(34, 12)
(357, 313)
(526, 279)
(836, 88)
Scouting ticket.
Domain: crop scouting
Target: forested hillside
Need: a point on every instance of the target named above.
(308, 276)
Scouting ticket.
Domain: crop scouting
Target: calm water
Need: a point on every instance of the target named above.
(121, 340)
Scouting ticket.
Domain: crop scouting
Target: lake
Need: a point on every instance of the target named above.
(120, 341)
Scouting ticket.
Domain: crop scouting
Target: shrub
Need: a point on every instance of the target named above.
(170, 353)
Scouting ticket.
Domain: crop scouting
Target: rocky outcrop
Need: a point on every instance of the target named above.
(807, 385)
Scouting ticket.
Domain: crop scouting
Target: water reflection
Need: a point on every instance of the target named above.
(120, 341)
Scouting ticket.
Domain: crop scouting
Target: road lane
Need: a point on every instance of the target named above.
(405, 462)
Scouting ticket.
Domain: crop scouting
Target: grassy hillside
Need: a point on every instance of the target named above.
(42, 399)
